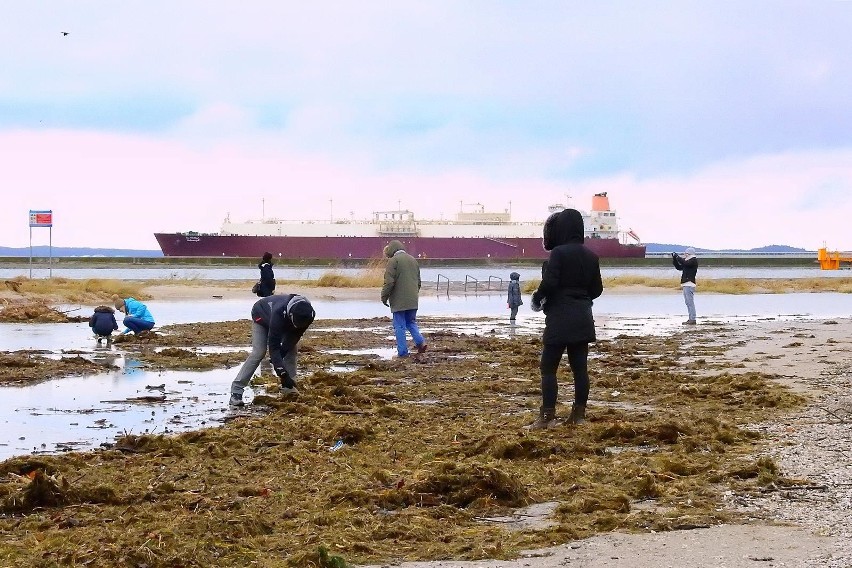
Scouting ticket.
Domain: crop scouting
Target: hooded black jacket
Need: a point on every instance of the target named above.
(271, 312)
(103, 321)
(570, 280)
(267, 280)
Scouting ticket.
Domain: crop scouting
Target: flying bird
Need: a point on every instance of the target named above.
(65, 33)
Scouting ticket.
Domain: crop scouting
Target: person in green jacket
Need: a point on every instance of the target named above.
(400, 292)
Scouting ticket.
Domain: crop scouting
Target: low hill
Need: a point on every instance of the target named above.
(662, 247)
(43, 251)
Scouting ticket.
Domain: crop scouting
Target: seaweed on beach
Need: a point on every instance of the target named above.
(403, 459)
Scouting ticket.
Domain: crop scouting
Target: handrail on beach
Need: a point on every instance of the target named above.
(438, 283)
(495, 278)
(469, 278)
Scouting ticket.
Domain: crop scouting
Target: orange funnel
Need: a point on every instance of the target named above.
(600, 202)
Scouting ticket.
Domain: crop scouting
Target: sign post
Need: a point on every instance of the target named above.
(42, 219)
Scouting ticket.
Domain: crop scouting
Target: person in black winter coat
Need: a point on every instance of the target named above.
(267, 276)
(103, 323)
(571, 280)
(278, 323)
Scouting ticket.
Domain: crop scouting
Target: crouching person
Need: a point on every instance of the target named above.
(137, 319)
(278, 323)
(103, 323)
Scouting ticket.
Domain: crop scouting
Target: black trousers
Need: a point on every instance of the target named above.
(578, 359)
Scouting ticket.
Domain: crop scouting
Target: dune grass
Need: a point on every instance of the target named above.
(77, 290)
(372, 276)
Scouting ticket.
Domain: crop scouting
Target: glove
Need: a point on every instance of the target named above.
(537, 304)
(286, 381)
(385, 301)
(674, 255)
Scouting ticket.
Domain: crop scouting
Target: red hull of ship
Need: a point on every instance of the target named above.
(360, 248)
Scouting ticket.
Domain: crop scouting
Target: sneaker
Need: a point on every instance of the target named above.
(689, 322)
(422, 348)
(289, 391)
(236, 401)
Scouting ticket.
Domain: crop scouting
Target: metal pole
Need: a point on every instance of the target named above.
(31, 253)
(50, 258)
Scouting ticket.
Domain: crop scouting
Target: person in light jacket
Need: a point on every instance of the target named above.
(267, 276)
(401, 291)
(687, 263)
(137, 317)
(571, 280)
(513, 296)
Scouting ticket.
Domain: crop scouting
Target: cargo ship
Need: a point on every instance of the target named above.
(474, 234)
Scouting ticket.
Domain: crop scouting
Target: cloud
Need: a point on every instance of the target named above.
(116, 191)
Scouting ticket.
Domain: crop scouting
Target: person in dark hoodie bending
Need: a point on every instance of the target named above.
(571, 280)
(278, 323)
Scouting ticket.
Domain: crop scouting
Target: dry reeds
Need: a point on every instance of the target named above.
(371, 276)
(75, 290)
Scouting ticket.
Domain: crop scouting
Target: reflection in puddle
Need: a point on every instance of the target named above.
(379, 352)
(85, 412)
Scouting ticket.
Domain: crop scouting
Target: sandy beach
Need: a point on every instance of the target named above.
(800, 519)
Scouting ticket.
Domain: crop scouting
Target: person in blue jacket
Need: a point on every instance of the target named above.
(137, 317)
(103, 323)
(278, 323)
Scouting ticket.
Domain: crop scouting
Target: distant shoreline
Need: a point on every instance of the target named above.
(791, 260)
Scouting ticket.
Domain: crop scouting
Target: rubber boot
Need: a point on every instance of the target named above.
(546, 419)
(578, 414)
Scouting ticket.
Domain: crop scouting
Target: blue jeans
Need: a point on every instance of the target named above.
(137, 325)
(406, 320)
(689, 298)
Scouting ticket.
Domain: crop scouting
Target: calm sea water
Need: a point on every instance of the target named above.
(430, 274)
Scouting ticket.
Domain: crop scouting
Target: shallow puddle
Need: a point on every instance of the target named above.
(85, 412)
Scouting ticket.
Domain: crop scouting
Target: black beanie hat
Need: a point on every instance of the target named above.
(301, 314)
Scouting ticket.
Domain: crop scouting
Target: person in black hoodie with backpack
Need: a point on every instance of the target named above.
(266, 284)
(571, 280)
